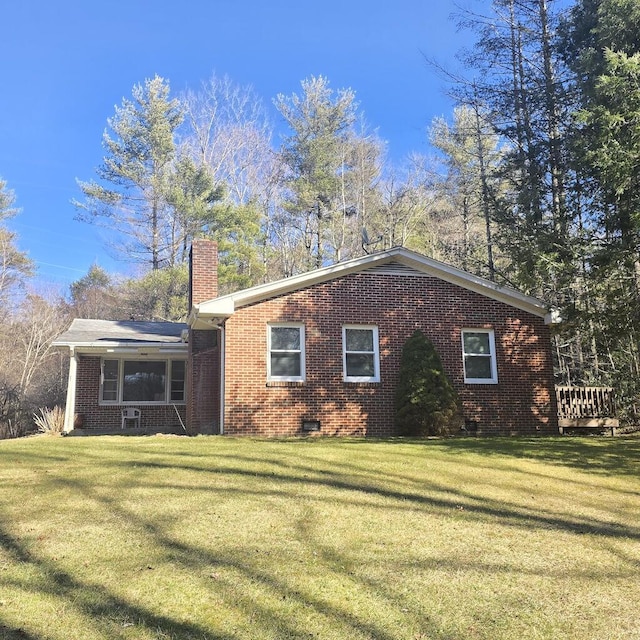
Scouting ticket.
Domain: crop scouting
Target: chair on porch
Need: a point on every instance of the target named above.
(131, 414)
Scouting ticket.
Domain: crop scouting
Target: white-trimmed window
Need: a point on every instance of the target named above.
(109, 380)
(479, 356)
(178, 381)
(133, 381)
(360, 353)
(286, 357)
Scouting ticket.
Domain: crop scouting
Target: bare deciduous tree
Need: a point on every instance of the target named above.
(227, 130)
(15, 266)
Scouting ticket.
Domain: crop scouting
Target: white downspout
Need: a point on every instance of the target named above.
(70, 408)
(222, 377)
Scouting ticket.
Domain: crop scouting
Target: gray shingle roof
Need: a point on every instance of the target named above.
(86, 332)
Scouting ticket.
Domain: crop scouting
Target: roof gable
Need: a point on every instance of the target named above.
(396, 261)
(395, 268)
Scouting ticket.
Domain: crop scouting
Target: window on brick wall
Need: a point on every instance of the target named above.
(178, 380)
(286, 357)
(479, 356)
(142, 381)
(360, 353)
(110, 370)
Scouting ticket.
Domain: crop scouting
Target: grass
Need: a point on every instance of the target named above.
(220, 538)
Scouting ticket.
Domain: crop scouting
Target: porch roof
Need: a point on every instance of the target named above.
(102, 335)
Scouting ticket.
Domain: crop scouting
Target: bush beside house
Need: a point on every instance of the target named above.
(426, 402)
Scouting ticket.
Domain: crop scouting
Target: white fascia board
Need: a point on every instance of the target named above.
(139, 348)
(213, 311)
(208, 315)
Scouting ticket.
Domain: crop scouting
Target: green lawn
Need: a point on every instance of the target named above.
(209, 537)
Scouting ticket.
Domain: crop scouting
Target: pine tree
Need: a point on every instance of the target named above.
(470, 154)
(330, 170)
(426, 402)
(136, 175)
(519, 88)
(601, 45)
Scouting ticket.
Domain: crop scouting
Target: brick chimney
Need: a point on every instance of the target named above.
(204, 363)
(203, 271)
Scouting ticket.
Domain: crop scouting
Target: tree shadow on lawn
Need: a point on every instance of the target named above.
(93, 600)
(108, 610)
(431, 496)
(601, 455)
(282, 470)
(245, 567)
(240, 561)
(13, 633)
(197, 558)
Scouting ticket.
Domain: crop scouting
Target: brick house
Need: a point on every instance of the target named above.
(320, 352)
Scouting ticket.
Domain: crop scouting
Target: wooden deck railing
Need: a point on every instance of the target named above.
(586, 407)
(585, 402)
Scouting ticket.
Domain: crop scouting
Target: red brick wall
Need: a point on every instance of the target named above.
(158, 418)
(522, 402)
(203, 383)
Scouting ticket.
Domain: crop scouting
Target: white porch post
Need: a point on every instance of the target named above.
(70, 409)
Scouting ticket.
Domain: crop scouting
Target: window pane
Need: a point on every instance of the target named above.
(144, 381)
(177, 393)
(177, 380)
(285, 364)
(285, 338)
(359, 339)
(110, 380)
(478, 367)
(360, 364)
(110, 393)
(476, 343)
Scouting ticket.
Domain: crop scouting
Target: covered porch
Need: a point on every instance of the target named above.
(125, 377)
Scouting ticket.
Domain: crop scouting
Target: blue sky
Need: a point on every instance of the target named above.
(66, 64)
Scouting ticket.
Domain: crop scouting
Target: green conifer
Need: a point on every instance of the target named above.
(426, 402)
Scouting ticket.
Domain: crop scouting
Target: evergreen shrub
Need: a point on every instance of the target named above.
(426, 402)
